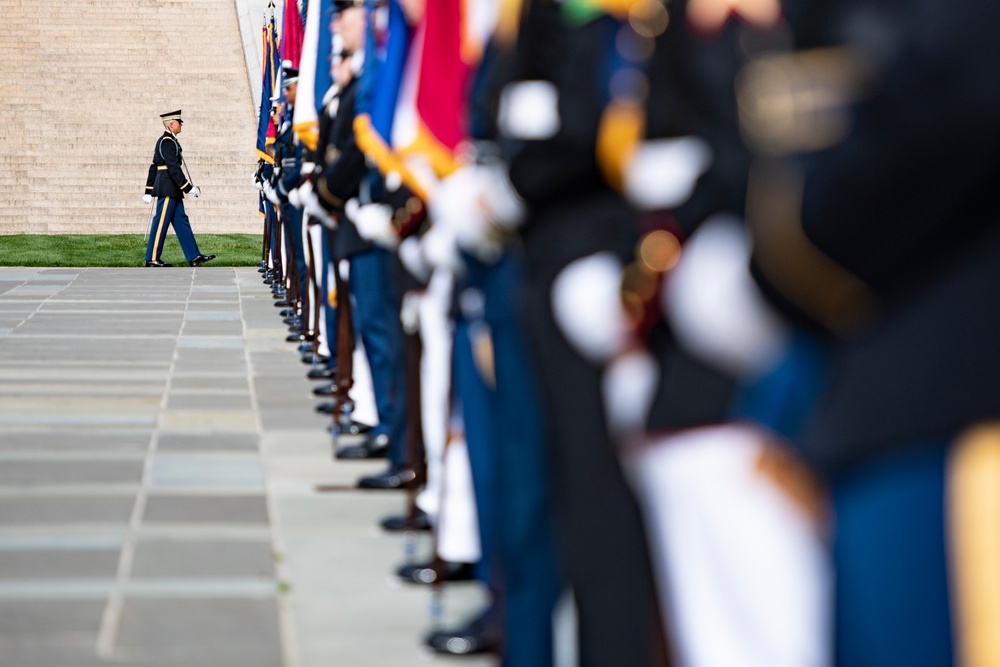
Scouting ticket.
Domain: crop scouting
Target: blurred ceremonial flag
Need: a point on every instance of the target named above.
(292, 34)
(379, 88)
(383, 104)
(265, 128)
(442, 88)
(305, 121)
(455, 32)
(324, 55)
(426, 91)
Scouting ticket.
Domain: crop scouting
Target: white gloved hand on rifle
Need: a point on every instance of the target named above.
(195, 192)
(312, 207)
(374, 223)
(147, 199)
(271, 195)
(295, 198)
(480, 207)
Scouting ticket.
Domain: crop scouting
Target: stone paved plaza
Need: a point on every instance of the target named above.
(159, 465)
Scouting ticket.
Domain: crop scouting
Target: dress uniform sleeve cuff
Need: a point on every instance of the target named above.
(329, 199)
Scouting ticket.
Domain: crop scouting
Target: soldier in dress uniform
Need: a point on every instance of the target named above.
(881, 229)
(550, 114)
(168, 181)
(376, 305)
(288, 176)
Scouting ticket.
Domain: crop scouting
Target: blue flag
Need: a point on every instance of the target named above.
(390, 74)
(265, 132)
(324, 55)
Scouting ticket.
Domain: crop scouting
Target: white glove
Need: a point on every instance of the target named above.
(295, 198)
(195, 192)
(440, 249)
(312, 207)
(271, 195)
(504, 207)
(256, 183)
(480, 207)
(715, 308)
(587, 306)
(374, 223)
(147, 199)
(411, 255)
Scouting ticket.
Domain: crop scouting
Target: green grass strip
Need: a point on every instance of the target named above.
(114, 250)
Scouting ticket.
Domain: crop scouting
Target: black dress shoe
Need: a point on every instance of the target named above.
(350, 427)
(293, 337)
(325, 389)
(427, 573)
(202, 259)
(374, 447)
(398, 522)
(282, 303)
(325, 408)
(157, 263)
(322, 373)
(389, 480)
(480, 636)
(314, 359)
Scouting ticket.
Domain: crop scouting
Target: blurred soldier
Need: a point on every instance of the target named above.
(548, 120)
(376, 306)
(288, 176)
(168, 181)
(876, 223)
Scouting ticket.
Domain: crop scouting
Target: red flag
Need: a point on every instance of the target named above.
(292, 34)
(444, 74)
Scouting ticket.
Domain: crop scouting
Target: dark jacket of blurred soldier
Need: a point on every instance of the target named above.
(574, 213)
(881, 228)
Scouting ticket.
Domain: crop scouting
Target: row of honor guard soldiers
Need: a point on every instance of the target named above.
(706, 316)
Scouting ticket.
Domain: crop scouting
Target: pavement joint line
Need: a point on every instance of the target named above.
(251, 532)
(28, 316)
(107, 636)
(290, 646)
(60, 542)
(75, 336)
(64, 529)
(248, 532)
(42, 455)
(100, 364)
(74, 420)
(187, 587)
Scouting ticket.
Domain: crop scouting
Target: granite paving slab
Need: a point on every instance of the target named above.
(23, 564)
(201, 632)
(210, 383)
(178, 470)
(168, 496)
(65, 510)
(233, 509)
(22, 619)
(207, 441)
(203, 558)
(26, 473)
(213, 328)
(208, 401)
